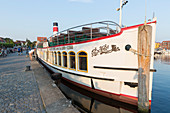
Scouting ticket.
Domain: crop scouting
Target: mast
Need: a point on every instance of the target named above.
(145, 11)
(120, 16)
(120, 9)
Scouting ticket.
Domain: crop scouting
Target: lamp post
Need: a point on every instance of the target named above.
(120, 9)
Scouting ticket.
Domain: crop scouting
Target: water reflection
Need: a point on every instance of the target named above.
(161, 87)
(163, 58)
(92, 103)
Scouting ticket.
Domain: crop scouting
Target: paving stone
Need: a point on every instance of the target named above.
(19, 91)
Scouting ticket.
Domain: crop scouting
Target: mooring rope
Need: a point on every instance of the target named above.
(137, 53)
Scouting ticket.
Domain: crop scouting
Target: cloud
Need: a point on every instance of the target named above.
(84, 1)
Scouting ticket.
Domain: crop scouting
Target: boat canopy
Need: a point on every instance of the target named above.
(85, 32)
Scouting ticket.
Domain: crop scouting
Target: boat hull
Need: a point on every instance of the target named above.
(111, 70)
(118, 97)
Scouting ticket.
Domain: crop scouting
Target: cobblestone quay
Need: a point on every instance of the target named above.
(19, 91)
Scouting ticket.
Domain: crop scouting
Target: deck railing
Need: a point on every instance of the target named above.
(85, 32)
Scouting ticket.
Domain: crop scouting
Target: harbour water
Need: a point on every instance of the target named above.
(161, 85)
(88, 102)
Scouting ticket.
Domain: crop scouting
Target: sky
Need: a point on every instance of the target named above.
(21, 19)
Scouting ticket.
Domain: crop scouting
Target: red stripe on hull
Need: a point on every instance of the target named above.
(135, 26)
(119, 97)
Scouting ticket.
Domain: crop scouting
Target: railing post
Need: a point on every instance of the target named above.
(68, 36)
(75, 37)
(108, 30)
(91, 32)
(57, 41)
(144, 48)
(120, 16)
(54, 57)
(64, 40)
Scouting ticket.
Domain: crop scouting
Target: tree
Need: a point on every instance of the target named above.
(29, 43)
(34, 43)
(9, 41)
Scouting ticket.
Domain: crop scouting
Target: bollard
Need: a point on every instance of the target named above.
(144, 50)
(28, 68)
(57, 77)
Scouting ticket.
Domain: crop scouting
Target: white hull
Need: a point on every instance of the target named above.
(110, 71)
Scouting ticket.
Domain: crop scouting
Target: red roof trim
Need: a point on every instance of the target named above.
(165, 41)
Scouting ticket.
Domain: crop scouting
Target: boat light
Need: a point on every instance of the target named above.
(127, 47)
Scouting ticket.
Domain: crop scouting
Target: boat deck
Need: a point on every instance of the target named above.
(85, 32)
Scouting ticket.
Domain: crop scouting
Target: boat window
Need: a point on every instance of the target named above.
(72, 61)
(55, 58)
(43, 55)
(52, 58)
(47, 56)
(64, 59)
(82, 61)
(59, 58)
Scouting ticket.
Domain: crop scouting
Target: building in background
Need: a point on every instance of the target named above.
(41, 39)
(19, 42)
(157, 45)
(165, 45)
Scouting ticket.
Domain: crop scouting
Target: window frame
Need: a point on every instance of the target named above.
(59, 62)
(78, 69)
(55, 58)
(52, 59)
(47, 55)
(63, 59)
(74, 60)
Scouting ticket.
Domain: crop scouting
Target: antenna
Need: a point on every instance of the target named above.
(120, 9)
(145, 11)
(153, 14)
(120, 16)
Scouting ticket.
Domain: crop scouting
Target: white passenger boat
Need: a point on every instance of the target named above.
(96, 57)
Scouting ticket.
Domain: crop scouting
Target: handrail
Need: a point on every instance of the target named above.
(101, 22)
(69, 35)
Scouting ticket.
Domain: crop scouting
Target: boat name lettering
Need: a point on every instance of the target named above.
(104, 50)
(62, 48)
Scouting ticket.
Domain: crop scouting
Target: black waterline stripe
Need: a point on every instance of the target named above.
(76, 73)
(125, 69)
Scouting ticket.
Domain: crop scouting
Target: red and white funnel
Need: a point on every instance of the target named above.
(55, 28)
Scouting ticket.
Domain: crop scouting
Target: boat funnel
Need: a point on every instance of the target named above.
(55, 28)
